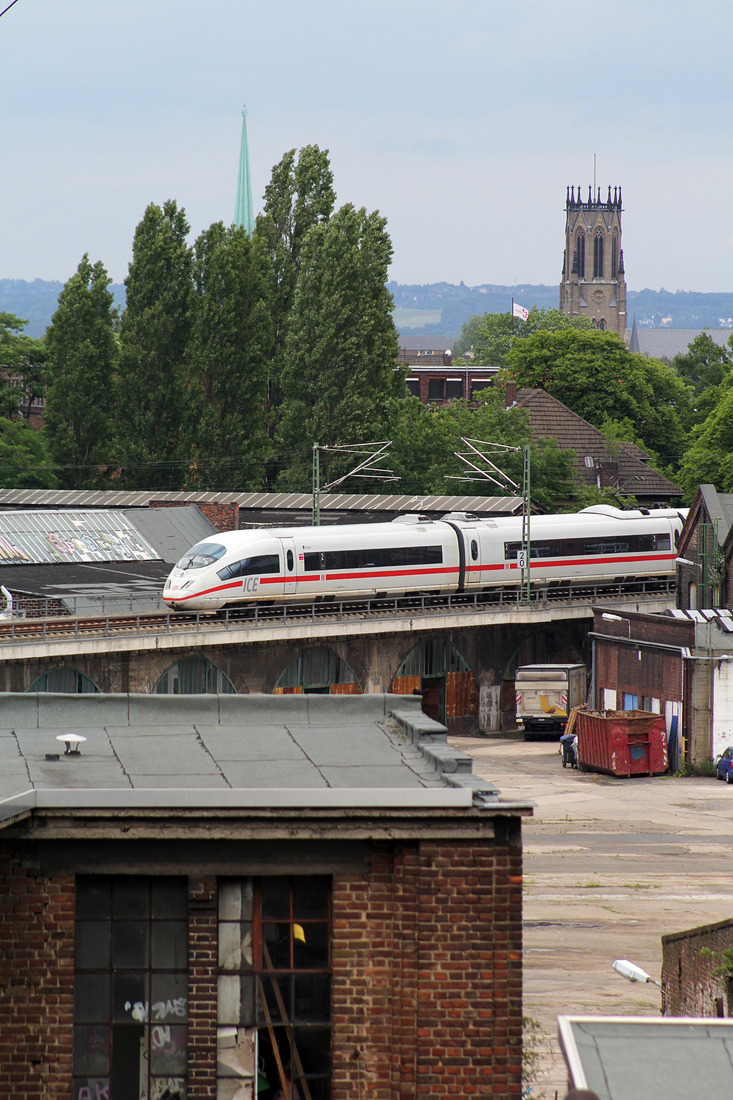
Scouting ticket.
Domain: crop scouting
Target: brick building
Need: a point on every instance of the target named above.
(705, 577)
(626, 470)
(690, 986)
(679, 664)
(219, 893)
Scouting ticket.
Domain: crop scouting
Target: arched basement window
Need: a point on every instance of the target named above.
(194, 676)
(68, 681)
(317, 671)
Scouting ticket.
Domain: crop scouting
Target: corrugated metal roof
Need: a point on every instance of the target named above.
(78, 498)
(171, 531)
(34, 537)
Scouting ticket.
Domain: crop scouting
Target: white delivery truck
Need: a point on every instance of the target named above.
(545, 696)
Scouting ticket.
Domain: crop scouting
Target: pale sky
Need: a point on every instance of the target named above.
(462, 122)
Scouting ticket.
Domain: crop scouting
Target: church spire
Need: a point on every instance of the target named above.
(243, 209)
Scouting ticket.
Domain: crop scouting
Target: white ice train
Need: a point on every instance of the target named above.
(459, 553)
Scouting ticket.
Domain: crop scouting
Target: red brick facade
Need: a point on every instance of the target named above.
(223, 514)
(426, 974)
(36, 981)
(689, 959)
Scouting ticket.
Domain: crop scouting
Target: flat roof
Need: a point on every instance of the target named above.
(222, 751)
(642, 1058)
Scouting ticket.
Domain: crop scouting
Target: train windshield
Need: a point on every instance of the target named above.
(204, 553)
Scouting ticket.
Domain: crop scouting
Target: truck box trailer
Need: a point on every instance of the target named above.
(545, 696)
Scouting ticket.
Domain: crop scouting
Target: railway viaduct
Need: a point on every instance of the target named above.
(462, 660)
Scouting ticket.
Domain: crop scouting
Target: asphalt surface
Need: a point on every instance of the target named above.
(610, 866)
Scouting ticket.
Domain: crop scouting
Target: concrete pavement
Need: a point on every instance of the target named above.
(610, 866)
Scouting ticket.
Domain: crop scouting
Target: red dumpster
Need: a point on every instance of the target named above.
(622, 742)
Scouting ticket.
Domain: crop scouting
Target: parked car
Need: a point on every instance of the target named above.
(724, 765)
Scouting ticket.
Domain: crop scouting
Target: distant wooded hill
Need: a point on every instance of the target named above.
(433, 310)
(36, 302)
(417, 307)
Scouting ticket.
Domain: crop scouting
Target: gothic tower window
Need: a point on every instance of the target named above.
(598, 256)
(580, 254)
(614, 256)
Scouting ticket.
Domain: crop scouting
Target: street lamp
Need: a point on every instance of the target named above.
(632, 972)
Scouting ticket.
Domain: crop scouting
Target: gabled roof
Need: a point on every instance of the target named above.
(719, 510)
(550, 419)
(153, 754)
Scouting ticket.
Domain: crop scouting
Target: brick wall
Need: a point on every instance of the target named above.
(202, 971)
(427, 984)
(689, 987)
(36, 982)
(224, 516)
(427, 975)
(29, 606)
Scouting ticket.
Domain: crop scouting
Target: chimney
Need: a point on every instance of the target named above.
(510, 396)
(608, 474)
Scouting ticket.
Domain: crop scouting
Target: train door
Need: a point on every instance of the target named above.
(289, 566)
(473, 558)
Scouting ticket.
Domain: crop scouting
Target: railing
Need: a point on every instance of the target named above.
(391, 609)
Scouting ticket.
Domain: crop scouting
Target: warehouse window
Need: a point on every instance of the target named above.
(274, 987)
(131, 988)
(436, 389)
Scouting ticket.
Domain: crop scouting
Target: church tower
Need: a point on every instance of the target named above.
(593, 283)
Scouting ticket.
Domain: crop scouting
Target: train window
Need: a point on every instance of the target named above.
(291, 561)
(474, 550)
(205, 553)
(250, 567)
(380, 557)
(590, 547)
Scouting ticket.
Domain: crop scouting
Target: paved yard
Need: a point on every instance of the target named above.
(610, 866)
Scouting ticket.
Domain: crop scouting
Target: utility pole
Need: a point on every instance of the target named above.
(369, 453)
(479, 451)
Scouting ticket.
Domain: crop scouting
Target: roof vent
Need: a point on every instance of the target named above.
(411, 518)
(73, 742)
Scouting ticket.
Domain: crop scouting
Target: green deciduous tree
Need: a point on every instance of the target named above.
(427, 438)
(300, 195)
(19, 356)
(82, 358)
(706, 368)
(25, 462)
(154, 336)
(709, 458)
(595, 375)
(341, 348)
(492, 334)
(228, 361)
